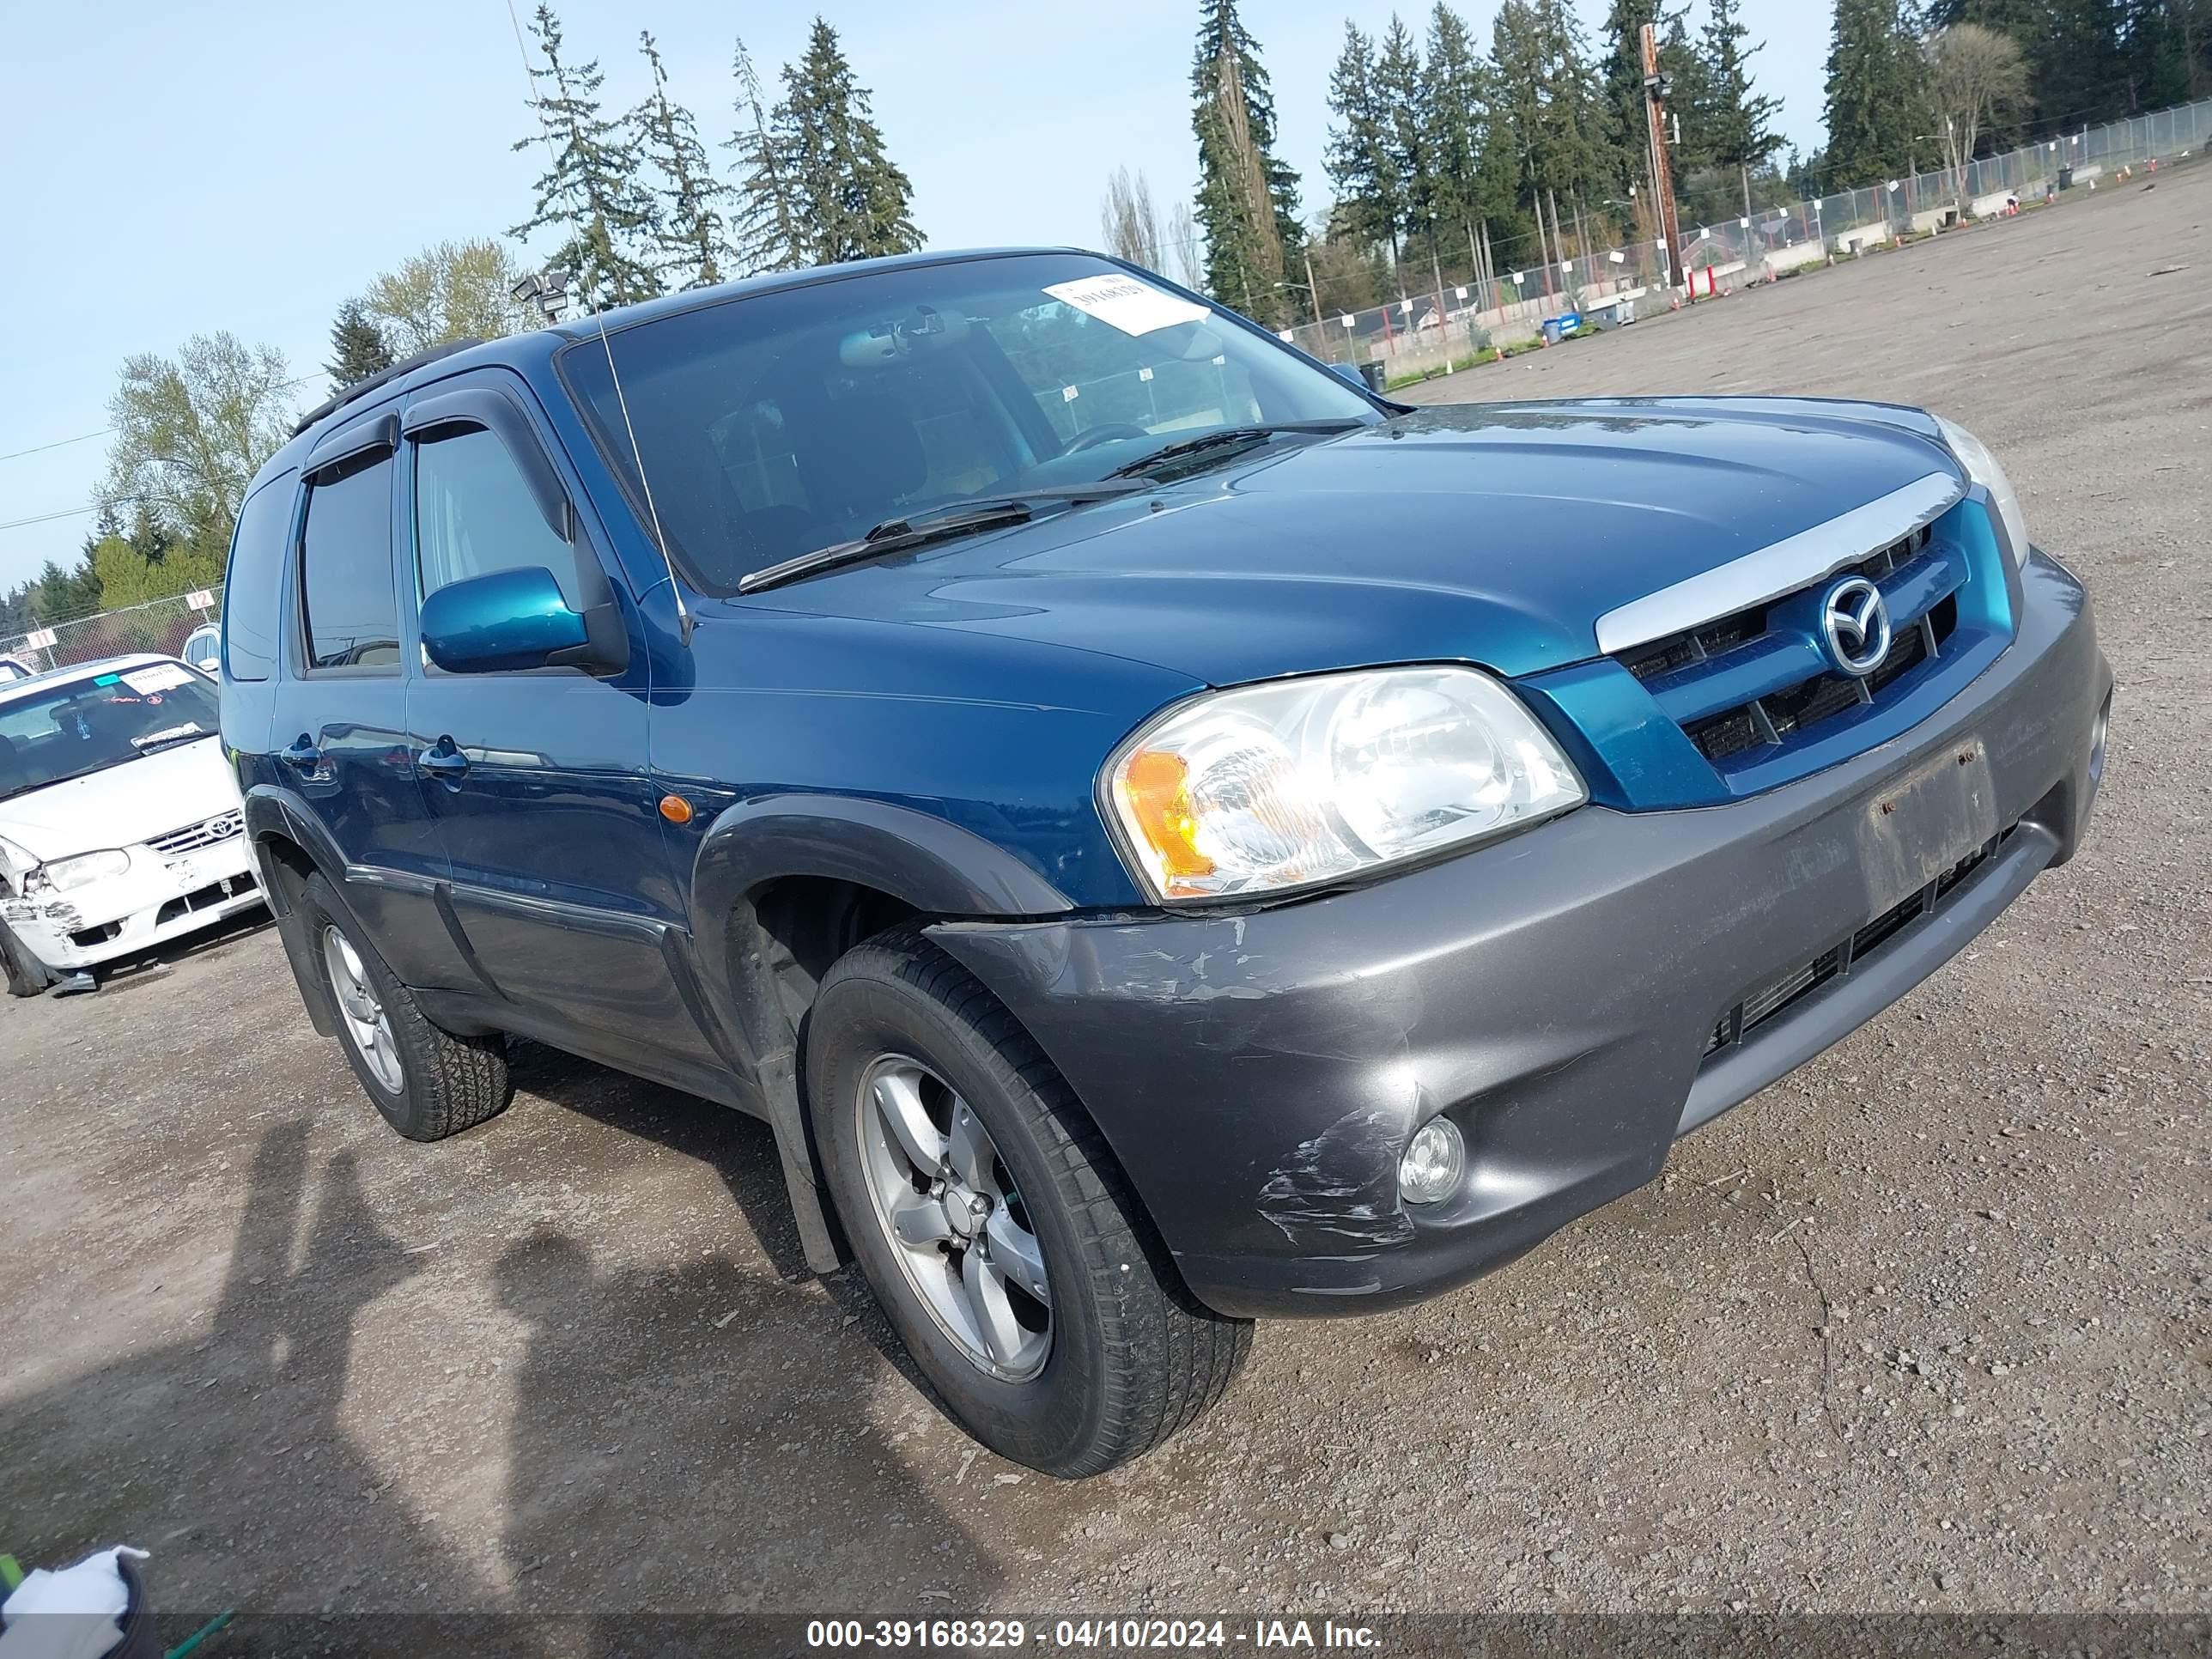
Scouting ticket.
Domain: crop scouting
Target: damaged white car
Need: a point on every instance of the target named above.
(119, 821)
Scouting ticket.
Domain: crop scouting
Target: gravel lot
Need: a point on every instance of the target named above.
(1925, 1326)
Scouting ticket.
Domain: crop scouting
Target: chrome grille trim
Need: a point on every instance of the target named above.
(1782, 567)
(224, 826)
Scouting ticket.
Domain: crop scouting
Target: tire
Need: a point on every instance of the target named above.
(428, 1082)
(27, 975)
(1130, 1357)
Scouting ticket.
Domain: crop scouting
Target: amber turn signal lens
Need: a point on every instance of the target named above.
(676, 809)
(1156, 789)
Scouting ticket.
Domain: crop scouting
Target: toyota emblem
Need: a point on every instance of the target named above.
(1855, 623)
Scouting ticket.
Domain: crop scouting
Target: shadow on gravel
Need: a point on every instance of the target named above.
(685, 1445)
(739, 1148)
(229, 1448)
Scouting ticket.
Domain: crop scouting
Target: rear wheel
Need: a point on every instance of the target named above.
(998, 1233)
(426, 1082)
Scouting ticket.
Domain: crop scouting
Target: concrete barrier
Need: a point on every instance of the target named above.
(1795, 258)
(1858, 236)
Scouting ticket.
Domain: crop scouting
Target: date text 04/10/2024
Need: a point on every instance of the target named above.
(1107, 1634)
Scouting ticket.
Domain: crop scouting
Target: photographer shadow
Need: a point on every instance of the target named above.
(694, 1443)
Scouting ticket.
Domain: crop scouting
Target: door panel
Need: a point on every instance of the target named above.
(552, 832)
(537, 781)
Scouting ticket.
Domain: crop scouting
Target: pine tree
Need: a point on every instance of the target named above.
(1247, 199)
(1398, 83)
(1736, 120)
(1623, 127)
(1361, 158)
(1550, 103)
(2082, 54)
(358, 348)
(1471, 165)
(849, 200)
(1693, 102)
(765, 227)
(686, 228)
(1874, 105)
(588, 194)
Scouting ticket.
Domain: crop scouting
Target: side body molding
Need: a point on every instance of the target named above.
(938, 867)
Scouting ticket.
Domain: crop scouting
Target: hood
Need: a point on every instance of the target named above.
(1493, 533)
(168, 790)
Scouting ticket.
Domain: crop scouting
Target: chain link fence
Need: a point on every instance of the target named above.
(1454, 312)
(165, 626)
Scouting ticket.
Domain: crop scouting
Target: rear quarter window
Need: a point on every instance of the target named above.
(251, 587)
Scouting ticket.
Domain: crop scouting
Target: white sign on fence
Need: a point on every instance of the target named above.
(200, 600)
(39, 639)
(1618, 257)
(1459, 292)
(1349, 324)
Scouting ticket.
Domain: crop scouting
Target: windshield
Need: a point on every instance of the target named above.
(777, 423)
(71, 727)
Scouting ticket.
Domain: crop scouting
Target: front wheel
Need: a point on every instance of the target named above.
(1000, 1237)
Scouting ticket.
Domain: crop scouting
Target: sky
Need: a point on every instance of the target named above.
(178, 169)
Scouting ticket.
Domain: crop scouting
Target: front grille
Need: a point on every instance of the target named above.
(192, 837)
(1864, 945)
(1682, 669)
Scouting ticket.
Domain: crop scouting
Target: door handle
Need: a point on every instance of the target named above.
(303, 756)
(443, 761)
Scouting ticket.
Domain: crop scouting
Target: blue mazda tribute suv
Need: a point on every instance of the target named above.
(1163, 835)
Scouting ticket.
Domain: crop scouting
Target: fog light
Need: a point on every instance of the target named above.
(1433, 1164)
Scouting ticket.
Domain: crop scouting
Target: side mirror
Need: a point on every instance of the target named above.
(1349, 373)
(508, 620)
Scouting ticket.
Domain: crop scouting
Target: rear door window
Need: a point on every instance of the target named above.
(254, 582)
(351, 612)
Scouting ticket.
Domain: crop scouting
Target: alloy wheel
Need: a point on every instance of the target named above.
(954, 1218)
(367, 1026)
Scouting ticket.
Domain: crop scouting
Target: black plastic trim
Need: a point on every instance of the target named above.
(378, 433)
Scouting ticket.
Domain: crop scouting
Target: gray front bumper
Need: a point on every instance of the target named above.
(1259, 1075)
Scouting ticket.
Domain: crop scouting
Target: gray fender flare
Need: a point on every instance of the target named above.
(938, 867)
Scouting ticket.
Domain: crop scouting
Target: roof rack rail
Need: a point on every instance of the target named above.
(345, 395)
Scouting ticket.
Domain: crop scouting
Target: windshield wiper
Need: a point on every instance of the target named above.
(954, 519)
(1227, 436)
(167, 740)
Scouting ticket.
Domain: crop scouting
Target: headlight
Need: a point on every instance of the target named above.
(1308, 780)
(1982, 467)
(64, 874)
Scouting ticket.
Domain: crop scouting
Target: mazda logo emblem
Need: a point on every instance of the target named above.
(1854, 624)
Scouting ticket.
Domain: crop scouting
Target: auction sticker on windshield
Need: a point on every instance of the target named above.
(161, 677)
(1132, 306)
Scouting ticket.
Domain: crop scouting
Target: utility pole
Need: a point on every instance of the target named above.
(1656, 87)
(1312, 292)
